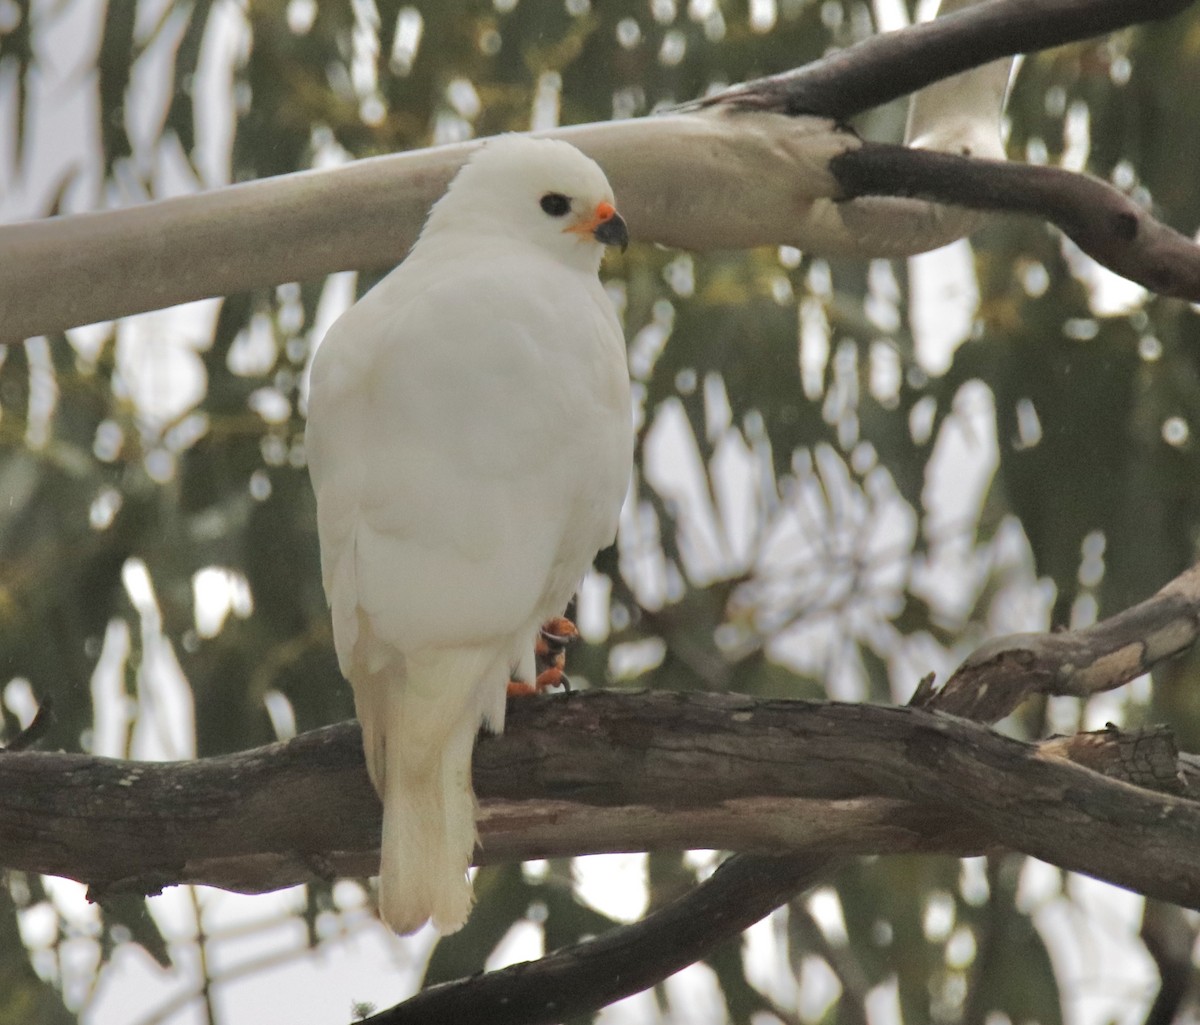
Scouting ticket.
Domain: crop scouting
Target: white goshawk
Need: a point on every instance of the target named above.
(470, 444)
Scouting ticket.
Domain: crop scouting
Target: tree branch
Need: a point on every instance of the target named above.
(607, 771)
(949, 805)
(999, 675)
(38, 726)
(301, 226)
(553, 785)
(661, 755)
(1169, 937)
(1101, 657)
(580, 978)
(1102, 221)
(885, 67)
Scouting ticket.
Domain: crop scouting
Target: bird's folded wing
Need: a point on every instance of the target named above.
(444, 492)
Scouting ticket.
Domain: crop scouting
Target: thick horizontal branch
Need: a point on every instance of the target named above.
(608, 771)
(574, 773)
(750, 181)
(1102, 221)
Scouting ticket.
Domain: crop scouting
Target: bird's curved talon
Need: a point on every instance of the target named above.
(552, 677)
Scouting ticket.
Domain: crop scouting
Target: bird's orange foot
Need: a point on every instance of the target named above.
(552, 641)
(550, 649)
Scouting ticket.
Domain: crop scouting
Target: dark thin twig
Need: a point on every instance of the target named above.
(34, 732)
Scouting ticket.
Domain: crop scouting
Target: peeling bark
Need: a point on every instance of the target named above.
(1002, 673)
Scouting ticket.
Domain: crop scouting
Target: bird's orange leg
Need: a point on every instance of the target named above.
(550, 649)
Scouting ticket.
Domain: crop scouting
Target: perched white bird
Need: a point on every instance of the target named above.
(470, 444)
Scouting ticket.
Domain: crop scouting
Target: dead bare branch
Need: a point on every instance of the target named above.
(885, 67)
(1002, 673)
(1102, 221)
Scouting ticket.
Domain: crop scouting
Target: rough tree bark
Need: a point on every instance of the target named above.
(608, 771)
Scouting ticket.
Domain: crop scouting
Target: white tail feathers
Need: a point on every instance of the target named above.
(422, 769)
(428, 838)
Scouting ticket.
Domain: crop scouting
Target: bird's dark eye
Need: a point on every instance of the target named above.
(556, 204)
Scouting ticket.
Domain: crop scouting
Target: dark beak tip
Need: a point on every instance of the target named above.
(613, 232)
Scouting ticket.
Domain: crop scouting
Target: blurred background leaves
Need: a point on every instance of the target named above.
(849, 473)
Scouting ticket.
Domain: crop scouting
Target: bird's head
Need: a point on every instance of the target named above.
(537, 190)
